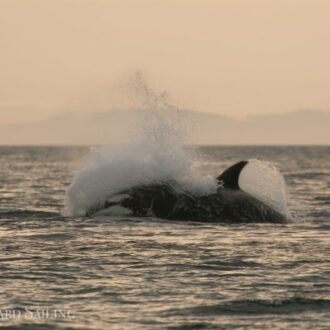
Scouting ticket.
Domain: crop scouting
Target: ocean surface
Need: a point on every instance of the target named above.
(60, 271)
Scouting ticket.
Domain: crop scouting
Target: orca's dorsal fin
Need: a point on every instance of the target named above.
(229, 178)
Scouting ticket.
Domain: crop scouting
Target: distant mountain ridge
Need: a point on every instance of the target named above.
(299, 127)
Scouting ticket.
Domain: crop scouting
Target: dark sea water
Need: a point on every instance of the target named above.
(59, 272)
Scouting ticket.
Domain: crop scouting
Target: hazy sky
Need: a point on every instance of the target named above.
(233, 57)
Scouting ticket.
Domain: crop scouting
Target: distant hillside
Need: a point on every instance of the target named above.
(301, 127)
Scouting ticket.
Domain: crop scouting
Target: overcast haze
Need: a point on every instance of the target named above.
(234, 58)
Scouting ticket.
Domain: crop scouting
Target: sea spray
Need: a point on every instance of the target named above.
(155, 153)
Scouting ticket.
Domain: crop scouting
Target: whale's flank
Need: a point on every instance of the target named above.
(230, 203)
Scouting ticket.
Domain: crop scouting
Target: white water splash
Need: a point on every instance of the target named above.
(155, 153)
(263, 181)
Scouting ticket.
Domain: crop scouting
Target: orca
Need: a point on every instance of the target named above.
(242, 196)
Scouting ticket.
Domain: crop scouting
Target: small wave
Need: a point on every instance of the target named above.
(193, 326)
(257, 306)
(51, 237)
(33, 326)
(29, 214)
(320, 214)
(324, 200)
(307, 175)
(324, 227)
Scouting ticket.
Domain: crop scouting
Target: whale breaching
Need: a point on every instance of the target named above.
(245, 193)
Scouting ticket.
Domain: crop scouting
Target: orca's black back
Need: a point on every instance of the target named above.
(226, 205)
